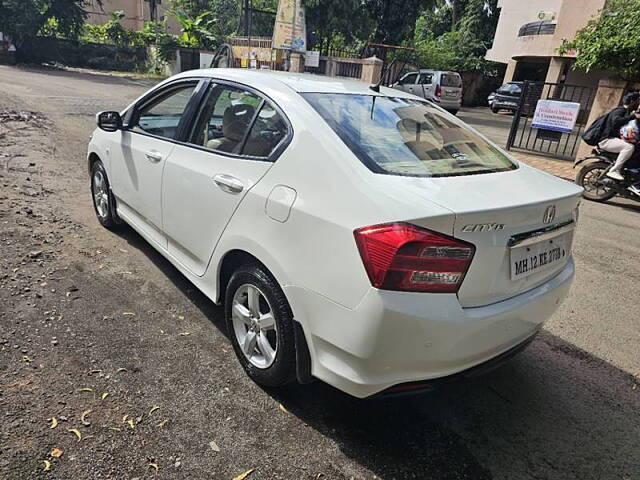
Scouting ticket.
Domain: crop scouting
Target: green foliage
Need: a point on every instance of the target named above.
(337, 22)
(24, 19)
(611, 42)
(113, 33)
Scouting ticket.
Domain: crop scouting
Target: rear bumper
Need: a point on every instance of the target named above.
(448, 104)
(394, 338)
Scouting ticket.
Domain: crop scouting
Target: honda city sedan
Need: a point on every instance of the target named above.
(361, 236)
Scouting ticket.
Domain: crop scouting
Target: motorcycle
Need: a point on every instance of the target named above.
(600, 188)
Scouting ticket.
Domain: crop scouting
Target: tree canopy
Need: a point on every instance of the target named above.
(610, 42)
(23, 19)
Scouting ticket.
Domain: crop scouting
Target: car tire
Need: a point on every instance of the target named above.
(272, 364)
(494, 109)
(104, 204)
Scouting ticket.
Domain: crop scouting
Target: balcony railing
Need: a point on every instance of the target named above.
(537, 28)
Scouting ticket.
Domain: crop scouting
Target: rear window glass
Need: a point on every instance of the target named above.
(401, 136)
(510, 88)
(450, 80)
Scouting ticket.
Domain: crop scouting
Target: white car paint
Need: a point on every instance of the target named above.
(298, 216)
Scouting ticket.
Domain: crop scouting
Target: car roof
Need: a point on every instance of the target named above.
(299, 82)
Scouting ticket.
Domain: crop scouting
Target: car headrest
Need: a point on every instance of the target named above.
(236, 120)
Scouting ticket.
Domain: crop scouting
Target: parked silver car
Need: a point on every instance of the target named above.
(442, 88)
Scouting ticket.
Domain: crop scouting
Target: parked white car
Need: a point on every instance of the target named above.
(442, 88)
(370, 240)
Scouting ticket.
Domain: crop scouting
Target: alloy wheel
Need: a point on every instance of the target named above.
(100, 194)
(254, 326)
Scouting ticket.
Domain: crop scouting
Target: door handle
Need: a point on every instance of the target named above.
(153, 156)
(228, 183)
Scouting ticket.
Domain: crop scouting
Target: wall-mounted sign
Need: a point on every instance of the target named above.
(546, 16)
(555, 115)
(312, 58)
(290, 30)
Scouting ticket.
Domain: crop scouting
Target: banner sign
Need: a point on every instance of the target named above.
(290, 30)
(555, 115)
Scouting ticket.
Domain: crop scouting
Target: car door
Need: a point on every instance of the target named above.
(407, 83)
(425, 85)
(145, 145)
(233, 142)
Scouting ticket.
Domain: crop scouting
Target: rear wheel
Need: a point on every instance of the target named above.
(589, 177)
(260, 325)
(494, 109)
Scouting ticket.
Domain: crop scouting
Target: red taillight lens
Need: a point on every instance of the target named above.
(438, 91)
(400, 256)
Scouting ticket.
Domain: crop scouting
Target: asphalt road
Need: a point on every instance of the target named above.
(81, 307)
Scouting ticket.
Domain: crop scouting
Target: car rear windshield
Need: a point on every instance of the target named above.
(400, 136)
(451, 80)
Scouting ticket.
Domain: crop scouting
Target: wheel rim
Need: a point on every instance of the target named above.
(254, 326)
(100, 194)
(591, 182)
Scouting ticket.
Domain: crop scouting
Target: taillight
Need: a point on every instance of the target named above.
(401, 256)
(438, 91)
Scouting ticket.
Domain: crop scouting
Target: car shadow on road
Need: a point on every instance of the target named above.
(554, 411)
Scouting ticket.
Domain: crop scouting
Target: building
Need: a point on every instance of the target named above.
(529, 34)
(136, 12)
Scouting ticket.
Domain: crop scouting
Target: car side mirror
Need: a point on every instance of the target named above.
(109, 121)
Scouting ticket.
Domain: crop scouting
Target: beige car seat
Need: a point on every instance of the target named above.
(235, 122)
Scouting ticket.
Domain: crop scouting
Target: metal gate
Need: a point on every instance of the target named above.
(523, 136)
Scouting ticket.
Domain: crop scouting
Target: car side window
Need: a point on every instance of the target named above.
(426, 78)
(409, 79)
(225, 118)
(266, 133)
(162, 115)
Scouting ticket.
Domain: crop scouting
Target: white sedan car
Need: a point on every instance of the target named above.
(368, 239)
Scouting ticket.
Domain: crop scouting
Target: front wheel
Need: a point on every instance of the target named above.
(589, 177)
(103, 201)
(494, 109)
(260, 325)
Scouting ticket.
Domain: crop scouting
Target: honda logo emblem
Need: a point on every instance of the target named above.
(549, 214)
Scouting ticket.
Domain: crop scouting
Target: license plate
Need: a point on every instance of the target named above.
(540, 256)
(452, 94)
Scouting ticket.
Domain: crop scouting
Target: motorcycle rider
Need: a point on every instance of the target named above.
(610, 139)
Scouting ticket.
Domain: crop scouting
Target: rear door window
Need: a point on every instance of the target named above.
(268, 130)
(450, 80)
(426, 78)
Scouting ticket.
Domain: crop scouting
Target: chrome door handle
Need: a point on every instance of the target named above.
(154, 157)
(228, 183)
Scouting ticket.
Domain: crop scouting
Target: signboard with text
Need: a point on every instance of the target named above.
(555, 115)
(290, 30)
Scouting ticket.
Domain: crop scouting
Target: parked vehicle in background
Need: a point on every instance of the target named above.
(506, 97)
(366, 238)
(490, 98)
(442, 88)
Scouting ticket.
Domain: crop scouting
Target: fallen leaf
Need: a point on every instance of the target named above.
(93, 372)
(104, 395)
(27, 359)
(281, 407)
(122, 369)
(86, 389)
(226, 389)
(153, 409)
(634, 386)
(153, 465)
(128, 314)
(184, 334)
(131, 424)
(56, 453)
(244, 475)
(83, 418)
(54, 422)
(214, 446)
(180, 317)
(76, 432)
(115, 429)
(162, 423)
(47, 465)
(15, 270)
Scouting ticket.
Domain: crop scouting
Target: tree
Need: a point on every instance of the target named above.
(610, 42)
(396, 19)
(342, 22)
(23, 19)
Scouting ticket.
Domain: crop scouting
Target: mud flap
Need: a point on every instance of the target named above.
(303, 357)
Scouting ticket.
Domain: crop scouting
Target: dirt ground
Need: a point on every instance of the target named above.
(100, 333)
